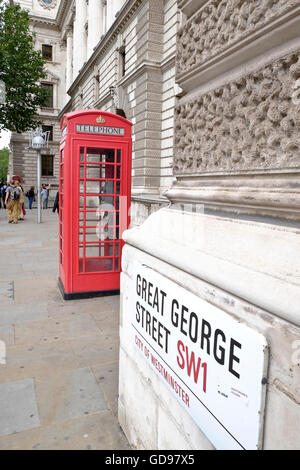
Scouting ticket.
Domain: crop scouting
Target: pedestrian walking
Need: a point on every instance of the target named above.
(44, 196)
(12, 202)
(3, 193)
(31, 196)
(56, 203)
(48, 187)
(20, 201)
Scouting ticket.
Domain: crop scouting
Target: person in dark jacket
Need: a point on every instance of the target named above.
(31, 197)
(56, 203)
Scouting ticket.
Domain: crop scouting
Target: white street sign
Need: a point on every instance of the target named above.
(214, 365)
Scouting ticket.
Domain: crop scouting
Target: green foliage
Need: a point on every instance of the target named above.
(3, 163)
(21, 68)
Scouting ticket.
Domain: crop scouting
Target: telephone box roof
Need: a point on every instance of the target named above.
(86, 112)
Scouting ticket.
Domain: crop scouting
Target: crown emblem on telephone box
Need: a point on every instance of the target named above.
(100, 120)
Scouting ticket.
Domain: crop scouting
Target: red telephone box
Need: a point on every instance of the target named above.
(94, 201)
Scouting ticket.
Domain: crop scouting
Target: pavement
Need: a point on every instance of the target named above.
(58, 359)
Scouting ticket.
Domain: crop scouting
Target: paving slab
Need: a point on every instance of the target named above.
(40, 360)
(68, 395)
(36, 289)
(99, 349)
(107, 323)
(18, 407)
(11, 313)
(54, 329)
(107, 377)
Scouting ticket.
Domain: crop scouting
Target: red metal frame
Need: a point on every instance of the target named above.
(94, 169)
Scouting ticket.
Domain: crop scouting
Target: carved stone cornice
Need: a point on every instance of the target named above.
(39, 20)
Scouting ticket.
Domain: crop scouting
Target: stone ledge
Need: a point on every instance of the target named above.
(269, 195)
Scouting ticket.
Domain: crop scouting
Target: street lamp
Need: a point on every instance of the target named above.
(39, 140)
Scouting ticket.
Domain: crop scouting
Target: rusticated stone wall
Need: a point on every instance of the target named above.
(221, 23)
(252, 123)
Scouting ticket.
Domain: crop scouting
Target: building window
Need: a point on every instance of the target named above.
(122, 58)
(50, 130)
(47, 165)
(49, 100)
(47, 52)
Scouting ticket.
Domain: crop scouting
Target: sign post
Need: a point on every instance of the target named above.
(39, 140)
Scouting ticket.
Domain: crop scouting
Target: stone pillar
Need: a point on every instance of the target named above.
(69, 67)
(95, 22)
(117, 6)
(104, 16)
(109, 13)
(79, 49)
(113, 6)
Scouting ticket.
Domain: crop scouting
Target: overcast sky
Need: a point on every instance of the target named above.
(4, 139)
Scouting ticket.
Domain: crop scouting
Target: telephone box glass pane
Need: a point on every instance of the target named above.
(95, 171)
(100, 155)
(99, 187)
(98, 265)
(91, 218)
(92, 202)
(98, 250)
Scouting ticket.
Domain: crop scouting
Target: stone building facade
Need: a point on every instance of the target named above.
(111, 55)
(229, 237)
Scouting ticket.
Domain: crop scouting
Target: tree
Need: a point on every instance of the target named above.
(3, 163)
(21, 69)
